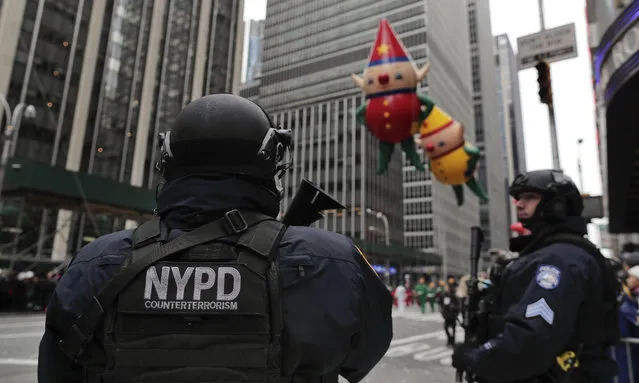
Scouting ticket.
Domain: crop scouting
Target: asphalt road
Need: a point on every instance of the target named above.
(418, 352)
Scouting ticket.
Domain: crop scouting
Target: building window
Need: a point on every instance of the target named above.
(472, 24)
(479, 123)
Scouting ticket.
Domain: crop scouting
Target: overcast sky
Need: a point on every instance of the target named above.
(571, 80)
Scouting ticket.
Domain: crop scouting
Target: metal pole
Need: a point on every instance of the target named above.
(386, 227)
(387, 235)
(551, 108)
(27, 74)
(13, 123)
(581, 175)
(444, 257)
(384, 219)
(553, 136)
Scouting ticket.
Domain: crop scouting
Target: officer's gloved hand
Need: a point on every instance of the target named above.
(461, 356)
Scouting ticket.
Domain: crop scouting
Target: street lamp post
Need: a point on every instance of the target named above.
(384, 219)
(579, 170)
(14, 120)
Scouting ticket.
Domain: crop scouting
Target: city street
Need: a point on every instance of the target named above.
(19, 338)
(418, 352)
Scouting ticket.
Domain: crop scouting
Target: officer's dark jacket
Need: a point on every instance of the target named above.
(544, 296)
(337, 313)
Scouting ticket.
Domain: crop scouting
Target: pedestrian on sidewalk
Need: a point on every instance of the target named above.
(421, 291)
(400, 295)
(431, 296)
(449, 305)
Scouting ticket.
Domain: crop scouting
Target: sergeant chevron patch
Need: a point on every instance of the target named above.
(541, 309)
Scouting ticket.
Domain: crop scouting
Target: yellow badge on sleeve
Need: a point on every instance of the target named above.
(567, 360)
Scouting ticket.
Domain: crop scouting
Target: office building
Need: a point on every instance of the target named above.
(489, 137)
(105, 77)
(612, 28)
(510, 119)
(310, 50)
(254, 55)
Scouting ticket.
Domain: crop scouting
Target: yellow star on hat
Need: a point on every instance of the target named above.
(383, 48)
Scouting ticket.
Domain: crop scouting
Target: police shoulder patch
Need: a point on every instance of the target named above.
(548, 276)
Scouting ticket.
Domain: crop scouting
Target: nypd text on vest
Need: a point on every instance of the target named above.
(201, 279)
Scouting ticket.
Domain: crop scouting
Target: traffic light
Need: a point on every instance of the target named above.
(543, 78)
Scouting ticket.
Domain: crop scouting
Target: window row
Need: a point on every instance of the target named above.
(419, 242)
(419, 224)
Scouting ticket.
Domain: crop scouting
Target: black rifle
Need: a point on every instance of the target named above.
(471, 313)
(307, 205)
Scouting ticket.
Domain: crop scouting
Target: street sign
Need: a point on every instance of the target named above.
(550, 45)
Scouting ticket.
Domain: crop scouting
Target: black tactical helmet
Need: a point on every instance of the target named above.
(560, 197)
(224, 134)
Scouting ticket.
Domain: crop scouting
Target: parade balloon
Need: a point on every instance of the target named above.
(393, 110)
(453, 160)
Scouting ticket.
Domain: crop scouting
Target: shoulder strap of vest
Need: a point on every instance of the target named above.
(150, 232)
(82, 332)
(576, 240)
(265, 240)
(580, 242)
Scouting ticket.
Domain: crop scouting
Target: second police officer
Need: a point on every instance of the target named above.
(216, 289)
(556, 300)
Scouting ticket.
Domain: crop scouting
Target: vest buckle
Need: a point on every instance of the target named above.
(74, 343)
(234, 223)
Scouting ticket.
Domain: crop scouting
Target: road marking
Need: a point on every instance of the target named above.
(21, 324)
(439, 335)
(19, 362)
(422, 351)
(406, 349)
(11, 318)
(415, 338)
(432, 354)
(22, 335)
(412, 315)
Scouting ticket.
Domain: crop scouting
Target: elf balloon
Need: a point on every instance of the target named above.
(453, 160)
(393, 109)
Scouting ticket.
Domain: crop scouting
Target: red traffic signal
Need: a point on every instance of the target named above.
(543, 78)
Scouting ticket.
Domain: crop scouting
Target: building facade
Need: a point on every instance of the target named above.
(105, 77)
(254, 55)
(310, 50)
(494, 216)
(613, 26)
(510, 116)
(432, 218)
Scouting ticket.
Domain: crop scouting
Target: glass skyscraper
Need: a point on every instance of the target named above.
(105, 78)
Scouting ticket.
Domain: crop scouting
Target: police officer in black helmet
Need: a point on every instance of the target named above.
(556, 300)
(238, 296)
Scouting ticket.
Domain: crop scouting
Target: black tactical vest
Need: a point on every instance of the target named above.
(196, 309)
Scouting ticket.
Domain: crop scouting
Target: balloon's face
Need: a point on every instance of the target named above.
(387, 77)
(444, 140)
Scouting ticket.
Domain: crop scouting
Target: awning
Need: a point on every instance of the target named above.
(54, 187)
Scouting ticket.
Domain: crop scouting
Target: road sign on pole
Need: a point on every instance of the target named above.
(549, 45)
